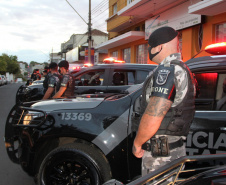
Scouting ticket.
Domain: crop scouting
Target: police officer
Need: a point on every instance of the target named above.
(168, 94)
(46, 74)
(34, 75)
(53, 83)
(67, 83)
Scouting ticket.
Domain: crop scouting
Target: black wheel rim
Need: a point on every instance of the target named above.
(69, 168)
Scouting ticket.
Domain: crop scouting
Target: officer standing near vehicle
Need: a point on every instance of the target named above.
(53, 83)
(46, 74)
(169, 94)
(67, 83)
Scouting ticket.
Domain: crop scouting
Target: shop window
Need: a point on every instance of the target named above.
(141, 55)
(126, 55)
(115, 54)
(114, 8)
(221, 32)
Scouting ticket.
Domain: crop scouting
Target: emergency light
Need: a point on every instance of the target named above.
(88, 65)
(112, 60)
(216, 49)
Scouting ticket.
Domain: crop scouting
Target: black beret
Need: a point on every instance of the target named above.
(161, 36)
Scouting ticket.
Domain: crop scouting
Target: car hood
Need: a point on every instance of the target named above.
(38, 86)
(75, 103)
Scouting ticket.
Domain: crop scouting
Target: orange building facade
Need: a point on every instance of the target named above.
(130, 23)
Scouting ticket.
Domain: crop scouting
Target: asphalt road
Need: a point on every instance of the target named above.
(10, 173)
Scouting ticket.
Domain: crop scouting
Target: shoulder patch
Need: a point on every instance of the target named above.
(162, 76)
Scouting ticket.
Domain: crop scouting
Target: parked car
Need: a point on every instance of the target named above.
(88, 139)
(1, 80)
(208, 175)
(102, 78)
(4, 80)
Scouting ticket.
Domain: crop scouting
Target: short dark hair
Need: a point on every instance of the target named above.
(64, 63)
(53, 65)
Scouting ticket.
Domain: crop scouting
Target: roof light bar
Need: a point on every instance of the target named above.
(216, 49)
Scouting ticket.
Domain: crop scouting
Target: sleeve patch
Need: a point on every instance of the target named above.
(163, 83)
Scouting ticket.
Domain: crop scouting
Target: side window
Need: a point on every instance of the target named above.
(90, 78)
(141, 76)
(206, 90)
(121, 77)
(221, 93)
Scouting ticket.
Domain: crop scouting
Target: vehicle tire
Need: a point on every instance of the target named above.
(77, 163)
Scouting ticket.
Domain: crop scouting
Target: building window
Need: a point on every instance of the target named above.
(115, 54)
(129, 1)
(114, 8)
(221, 32)
(126, 55)
(142, 52)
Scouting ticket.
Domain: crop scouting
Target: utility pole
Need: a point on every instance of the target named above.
(89, 34)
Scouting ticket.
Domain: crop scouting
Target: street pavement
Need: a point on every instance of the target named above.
(10, 173)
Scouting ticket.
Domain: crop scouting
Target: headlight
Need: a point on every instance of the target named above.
(27, 90)
(33, 117)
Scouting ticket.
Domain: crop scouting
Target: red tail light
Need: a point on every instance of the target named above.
(216, 49)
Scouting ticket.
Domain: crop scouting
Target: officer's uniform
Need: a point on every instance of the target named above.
(54, 81)
(46, 81)
(69, 83)
(171, 80)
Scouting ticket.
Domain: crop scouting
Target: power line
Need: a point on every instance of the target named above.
(99, 6)
(76, 12)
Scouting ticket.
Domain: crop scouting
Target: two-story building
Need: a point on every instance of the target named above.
(130, 22)
(75, 49)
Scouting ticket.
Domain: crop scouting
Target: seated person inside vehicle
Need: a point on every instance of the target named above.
(93, 78)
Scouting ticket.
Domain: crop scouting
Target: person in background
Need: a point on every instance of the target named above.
(67, 83)
(38, 75)
(169, 93)
(53, 81)
(46, 74)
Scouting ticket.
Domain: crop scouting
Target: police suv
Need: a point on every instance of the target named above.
(109, 77)
(88, 139)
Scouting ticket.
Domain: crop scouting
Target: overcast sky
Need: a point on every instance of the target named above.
(31, 29)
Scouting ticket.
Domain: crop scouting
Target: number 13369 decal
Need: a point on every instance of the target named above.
(76, 116)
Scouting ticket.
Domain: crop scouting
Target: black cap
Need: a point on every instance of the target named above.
(64, 63)
(161, 36)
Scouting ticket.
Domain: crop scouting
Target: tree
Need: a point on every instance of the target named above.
(3, 66)
(33, 63)
(11, 61)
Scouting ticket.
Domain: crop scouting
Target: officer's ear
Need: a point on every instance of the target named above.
(156, 49)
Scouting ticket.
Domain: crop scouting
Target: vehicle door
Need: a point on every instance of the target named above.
(91, 81)
(208, 130)
(122, 79)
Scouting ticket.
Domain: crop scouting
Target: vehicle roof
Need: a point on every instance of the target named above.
(216, 62)
(123, 66)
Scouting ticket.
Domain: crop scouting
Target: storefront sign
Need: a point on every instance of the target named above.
(177, 17)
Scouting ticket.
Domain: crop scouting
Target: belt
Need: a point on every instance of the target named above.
(176, 144)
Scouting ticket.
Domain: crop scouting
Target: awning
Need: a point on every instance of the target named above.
(208, 7)
(125, 38)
